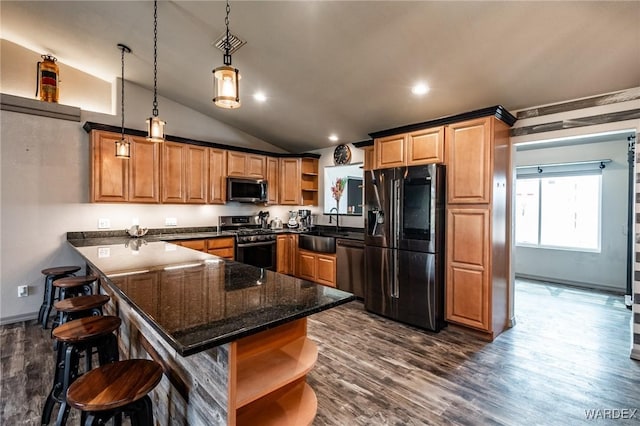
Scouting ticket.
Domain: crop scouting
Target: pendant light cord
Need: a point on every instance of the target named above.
(227, 43)
(122, 49)
(155, 58)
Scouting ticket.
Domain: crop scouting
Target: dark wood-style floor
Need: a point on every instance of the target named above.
(568, 353)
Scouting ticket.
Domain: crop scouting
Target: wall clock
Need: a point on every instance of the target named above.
(342, 154)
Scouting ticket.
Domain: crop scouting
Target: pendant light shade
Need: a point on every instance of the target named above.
(155, 126)
(123, 147)
(155, 129)
(226, 87)
(226, 79)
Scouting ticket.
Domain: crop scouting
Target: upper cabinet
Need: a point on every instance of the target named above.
(369, 158)
(217, 176)
(468, 161)
(241, 164)
(185, 173)
(289, 193)
(191, 172)
(409, 149)
(120, 180)
(273, 170)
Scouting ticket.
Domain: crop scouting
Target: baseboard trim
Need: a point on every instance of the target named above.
(18, 318)
(581, 285)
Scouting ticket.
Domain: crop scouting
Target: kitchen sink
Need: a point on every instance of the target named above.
(317, 243)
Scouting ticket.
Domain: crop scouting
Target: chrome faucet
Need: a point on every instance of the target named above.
(337, 218)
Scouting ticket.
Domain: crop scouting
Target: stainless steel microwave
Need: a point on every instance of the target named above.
(246, 190)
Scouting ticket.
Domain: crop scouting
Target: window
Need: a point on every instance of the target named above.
(559, 211)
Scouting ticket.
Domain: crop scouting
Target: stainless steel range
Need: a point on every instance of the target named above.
(254, 245)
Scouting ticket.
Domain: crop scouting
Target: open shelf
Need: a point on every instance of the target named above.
(267, 371)
(294, 404)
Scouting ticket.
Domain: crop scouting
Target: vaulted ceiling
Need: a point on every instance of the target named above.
(346, 67)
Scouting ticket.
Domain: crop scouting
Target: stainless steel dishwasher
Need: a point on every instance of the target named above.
(350, 266)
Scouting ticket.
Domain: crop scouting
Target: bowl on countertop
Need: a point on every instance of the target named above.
(137, 231)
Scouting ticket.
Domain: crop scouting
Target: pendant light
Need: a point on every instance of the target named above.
(123, 148)
(226, 79)
(155, 126)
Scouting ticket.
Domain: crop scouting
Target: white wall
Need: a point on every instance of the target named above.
(605, 269)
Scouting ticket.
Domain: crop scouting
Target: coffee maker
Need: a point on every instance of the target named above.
(305, 218)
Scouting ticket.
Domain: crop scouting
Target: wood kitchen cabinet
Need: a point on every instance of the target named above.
(478, 258)
(317, 267)
(241, 164)
(309, 181)
(290, 169)
(223, 247)
(120, 180)
(273, 171)
(369, 158)
(286, 253)
(410, 149)
(217, 176)
(199, 245)
(185, 173)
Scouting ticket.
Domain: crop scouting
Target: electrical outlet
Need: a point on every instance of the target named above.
(171, 221)
(104, 223)
(23, 290)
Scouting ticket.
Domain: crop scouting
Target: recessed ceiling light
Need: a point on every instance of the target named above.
(333, 138)
(420, 89)
(259, 96)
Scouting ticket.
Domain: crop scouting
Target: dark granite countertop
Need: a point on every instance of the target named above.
(197, 301)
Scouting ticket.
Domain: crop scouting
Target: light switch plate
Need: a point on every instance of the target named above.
(171, 221)
(104, 223)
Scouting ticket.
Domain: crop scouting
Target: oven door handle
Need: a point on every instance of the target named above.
(256, 244)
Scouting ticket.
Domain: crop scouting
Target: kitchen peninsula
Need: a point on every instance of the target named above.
(231, 337)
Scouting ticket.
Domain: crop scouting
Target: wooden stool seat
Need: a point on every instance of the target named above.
(75, 286)
(81, 303)
(78, 307)
(86, 328)
(114, 385)
(61, 270)
(49, 295)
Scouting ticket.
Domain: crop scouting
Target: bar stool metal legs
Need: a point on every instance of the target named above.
(52, 274)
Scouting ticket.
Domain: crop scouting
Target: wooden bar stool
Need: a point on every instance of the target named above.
(52, 274)
(78, 307)
(74, 338)
(75, 286)
(114, 389)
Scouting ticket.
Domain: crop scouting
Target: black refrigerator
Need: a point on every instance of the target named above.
(404, 244)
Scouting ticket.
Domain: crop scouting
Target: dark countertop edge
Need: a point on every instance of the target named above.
(188, 233)
(498, 111)
(227, 338)
(191, 350)
(90, 125)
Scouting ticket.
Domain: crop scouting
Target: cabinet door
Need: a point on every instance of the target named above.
(236, 163)
(199, 245)
(326, 269)
(282, 254)
(290, 193)
(468, 286)
(306, 265)
(256, 166)
(425, 146)
(272, 180)
(217, 176)
(293, 254)
(173, 173)
(144, 171)
(469, 161)
(108, 174)
(390, 151)
(196, 174)
(369, 158)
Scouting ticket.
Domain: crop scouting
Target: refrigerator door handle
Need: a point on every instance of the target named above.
(396, 212)
(395, 288)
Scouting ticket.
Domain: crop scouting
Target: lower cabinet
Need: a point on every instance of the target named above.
(222, 247)
(317, 267)
(287, 249)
